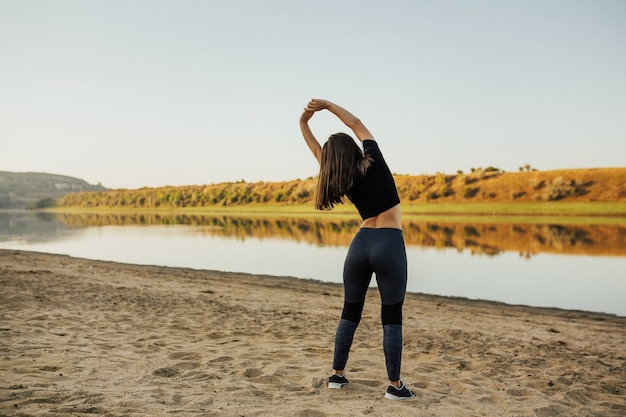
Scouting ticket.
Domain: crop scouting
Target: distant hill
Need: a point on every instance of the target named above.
(480, 185)
(19, 189)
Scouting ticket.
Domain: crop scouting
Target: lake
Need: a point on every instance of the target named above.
(539, 263)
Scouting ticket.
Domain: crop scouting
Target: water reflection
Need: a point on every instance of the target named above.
(31, 227)
(477, 238)
(315, 248)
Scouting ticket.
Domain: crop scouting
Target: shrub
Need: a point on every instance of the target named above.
(445, 191)
(430, 195)
(414, 195)
(42, 203)
(536, 184)
(302, 193)
(469, 192)
(560, 188)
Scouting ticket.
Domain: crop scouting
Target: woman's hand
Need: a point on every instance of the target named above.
(314, 105)
(318, 104)
(344, 115)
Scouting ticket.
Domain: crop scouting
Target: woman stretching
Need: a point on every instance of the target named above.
(378, 247)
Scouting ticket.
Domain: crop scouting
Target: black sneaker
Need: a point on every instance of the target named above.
(337, 381)
(402, 393)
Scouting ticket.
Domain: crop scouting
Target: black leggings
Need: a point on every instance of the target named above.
(379, 251)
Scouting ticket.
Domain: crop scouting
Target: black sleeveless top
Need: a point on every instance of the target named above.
(376, 191)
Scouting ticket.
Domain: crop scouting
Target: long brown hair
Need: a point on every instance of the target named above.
(341, 162)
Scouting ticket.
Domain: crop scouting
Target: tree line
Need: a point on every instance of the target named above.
(487, 185)
(224, 194)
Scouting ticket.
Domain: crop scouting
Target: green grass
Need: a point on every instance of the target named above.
(609, 213)
(521, 208)
(520, 212)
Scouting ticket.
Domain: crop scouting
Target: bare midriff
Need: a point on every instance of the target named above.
(389, 219)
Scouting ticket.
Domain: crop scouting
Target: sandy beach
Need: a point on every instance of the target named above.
(81, 337)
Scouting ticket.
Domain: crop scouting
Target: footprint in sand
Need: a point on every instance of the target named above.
(368, 382)
(310, 413)
(222, 359)
(165, 372)
(185, 356)
(187, 366)
(553, 410)
(578, 397)
(267, 380)
(513, 392)
(252, 373)
(49, 368)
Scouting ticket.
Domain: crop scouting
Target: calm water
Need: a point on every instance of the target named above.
(550, 265)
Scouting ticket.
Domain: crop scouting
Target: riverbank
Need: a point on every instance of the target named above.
(576, 212)
(82, 336)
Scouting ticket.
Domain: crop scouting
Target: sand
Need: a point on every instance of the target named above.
(82, 337)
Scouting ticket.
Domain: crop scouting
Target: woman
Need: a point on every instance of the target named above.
(378, 247)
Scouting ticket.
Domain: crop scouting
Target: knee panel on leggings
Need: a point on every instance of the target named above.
(352, 311)
(391, 313)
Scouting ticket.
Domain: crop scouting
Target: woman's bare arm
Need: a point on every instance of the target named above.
(309, 138)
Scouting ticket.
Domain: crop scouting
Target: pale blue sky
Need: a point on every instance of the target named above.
(150, 93)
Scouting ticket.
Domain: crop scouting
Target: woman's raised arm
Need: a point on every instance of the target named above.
(309, 138)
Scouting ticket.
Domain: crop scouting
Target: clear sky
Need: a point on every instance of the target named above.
(139, 93)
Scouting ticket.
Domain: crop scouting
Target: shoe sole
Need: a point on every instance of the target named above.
(335, 385)
(396, 398)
